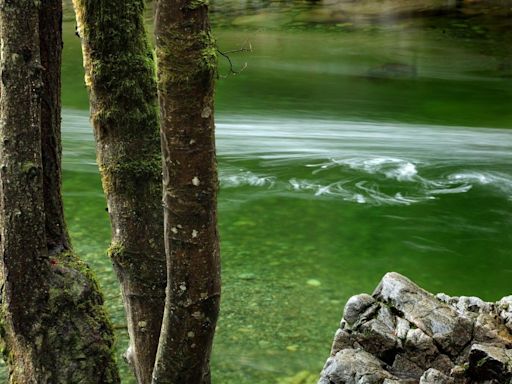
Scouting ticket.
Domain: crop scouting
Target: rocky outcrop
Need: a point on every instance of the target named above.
(402, 334)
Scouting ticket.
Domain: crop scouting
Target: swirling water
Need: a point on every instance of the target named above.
(357, 161)
(349, 161)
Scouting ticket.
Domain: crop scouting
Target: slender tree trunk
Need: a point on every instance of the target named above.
(50, 39)
(186, 57)
(54, 329)
(119, 72)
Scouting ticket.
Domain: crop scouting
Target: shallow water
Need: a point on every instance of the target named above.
(354, 142)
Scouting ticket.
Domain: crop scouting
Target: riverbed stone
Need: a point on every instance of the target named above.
(403, 334)
(420, 347)
(375, 337)
(394, 381)
(443, 364)
(452, 300)
(489, 328)
(504, 309)
(471, 304)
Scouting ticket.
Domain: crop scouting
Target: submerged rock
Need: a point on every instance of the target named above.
(403, 334)
(303, 377)
(393, 71)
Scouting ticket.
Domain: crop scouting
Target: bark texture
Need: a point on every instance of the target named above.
(50, 39)
(54, 329)
(23, 248)
(119, 72)
(186, 57)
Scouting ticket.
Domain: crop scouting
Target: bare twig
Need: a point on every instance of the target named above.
(225, 54)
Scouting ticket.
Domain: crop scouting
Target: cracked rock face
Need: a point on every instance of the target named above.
(402, 334)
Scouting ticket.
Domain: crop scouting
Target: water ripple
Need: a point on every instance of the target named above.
(364, 163)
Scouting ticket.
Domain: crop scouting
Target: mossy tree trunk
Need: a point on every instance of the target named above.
(186, 58)
(54, 329)
(119, 72)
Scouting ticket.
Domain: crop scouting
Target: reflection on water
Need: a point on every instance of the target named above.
(416, 76)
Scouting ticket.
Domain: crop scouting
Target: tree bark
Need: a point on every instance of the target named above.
(119, 72)
(50, 39)
(25, 262)
(186, 57)
(54, 329)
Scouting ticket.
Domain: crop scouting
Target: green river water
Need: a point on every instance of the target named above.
(356, 141)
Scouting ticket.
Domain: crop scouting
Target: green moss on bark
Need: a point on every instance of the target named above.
(200, 51)
(74, 332)
(119, 73)
(129, 175)
(195, 4)
(117, 252)
(209, 53)
(75, 302)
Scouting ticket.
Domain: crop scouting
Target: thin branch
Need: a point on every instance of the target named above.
(225, 54)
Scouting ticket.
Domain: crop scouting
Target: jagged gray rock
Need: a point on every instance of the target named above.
(433, 376)
(490, 362)
(355, 306)
(355, 366)
(402, 334)
(437, 319)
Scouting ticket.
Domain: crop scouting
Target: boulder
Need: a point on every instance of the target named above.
(403, 334)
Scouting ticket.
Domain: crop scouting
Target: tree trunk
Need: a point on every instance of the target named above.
(186, 57)
(54, 329)
(50, 39)
(119, 72)
(25, 262)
